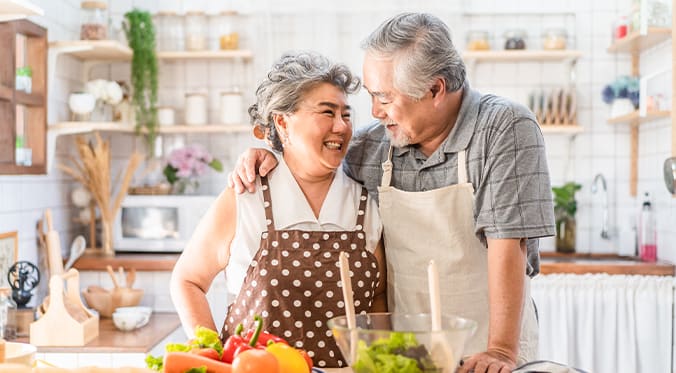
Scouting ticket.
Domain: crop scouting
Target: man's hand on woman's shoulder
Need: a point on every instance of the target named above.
(252, 161)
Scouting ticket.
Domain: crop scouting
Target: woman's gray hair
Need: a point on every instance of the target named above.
(291, 77)
(421, 48)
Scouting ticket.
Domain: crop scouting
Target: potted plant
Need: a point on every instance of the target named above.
(622, 94)
(140, 34)
(565, 208)
(186, 165)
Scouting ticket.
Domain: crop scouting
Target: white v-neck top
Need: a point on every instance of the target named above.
(291, 210)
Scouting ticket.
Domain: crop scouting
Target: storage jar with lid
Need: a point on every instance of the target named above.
(195, 108)
(195, 31)
(478, 40)
(515, 39)
(554, 39)
(226, 29)
(94, 24)
(231, 107)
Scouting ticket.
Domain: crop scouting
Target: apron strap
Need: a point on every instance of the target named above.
(267, 203)
(462, 167)
(387, 170)
(362, 208)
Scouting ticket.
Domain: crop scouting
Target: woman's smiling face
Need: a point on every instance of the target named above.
(319, 131)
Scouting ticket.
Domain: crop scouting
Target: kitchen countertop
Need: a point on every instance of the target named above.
(551, 263)
(111, 339)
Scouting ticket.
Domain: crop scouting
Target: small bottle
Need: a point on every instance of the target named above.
(7, 314)
(647, 236)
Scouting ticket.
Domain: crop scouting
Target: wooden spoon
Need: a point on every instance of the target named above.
(349, 304)
(113, 277)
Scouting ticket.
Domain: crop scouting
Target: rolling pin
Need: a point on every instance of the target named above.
(54, 258)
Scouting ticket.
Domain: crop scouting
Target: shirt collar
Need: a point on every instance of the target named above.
(464, 126)
(290, 207)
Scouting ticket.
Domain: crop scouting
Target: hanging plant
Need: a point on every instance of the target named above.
(141, 36)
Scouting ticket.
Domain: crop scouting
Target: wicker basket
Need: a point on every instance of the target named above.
(160, 189)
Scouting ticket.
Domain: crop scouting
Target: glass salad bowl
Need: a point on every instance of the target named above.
(391, 342)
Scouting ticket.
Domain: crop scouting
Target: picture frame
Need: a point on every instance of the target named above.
(9, 251)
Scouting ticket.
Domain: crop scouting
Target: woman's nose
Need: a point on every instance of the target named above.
(341, 124)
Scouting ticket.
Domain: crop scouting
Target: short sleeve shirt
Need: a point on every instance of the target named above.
(292, 211)
(506, 163)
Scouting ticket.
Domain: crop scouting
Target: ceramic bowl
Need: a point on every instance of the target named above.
(105, 302)
(81, 103)
(144, 311)
(20, 353)
(412, 331)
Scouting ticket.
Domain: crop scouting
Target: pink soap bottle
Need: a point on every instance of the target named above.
(647, 236)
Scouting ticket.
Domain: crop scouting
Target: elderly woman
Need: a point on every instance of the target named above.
(279, 247)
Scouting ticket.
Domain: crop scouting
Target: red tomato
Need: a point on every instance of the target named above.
(255, 361)
(206, 352)
(307, 358)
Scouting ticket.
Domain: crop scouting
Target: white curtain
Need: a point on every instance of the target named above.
(606, 324)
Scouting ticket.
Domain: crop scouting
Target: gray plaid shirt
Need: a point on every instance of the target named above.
(506, 163)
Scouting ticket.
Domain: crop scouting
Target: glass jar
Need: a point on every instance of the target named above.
(515, 39)
(226, 29)
(195, 31)
(94, 22)
(478, 40)
(554, 39)
(195, 108)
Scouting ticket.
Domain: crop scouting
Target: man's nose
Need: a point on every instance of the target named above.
(377, 109)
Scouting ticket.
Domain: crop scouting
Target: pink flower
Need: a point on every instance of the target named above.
(190, 161)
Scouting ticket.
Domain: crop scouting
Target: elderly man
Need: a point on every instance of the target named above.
(460, 177)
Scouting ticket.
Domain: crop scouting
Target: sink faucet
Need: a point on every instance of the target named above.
(594, 188)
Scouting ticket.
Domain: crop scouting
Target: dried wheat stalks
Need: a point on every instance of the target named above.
(92, 170)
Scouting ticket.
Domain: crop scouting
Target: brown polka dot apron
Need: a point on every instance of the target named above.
(293, 282)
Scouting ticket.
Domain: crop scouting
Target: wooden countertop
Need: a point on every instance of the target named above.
(551, 262)
(111, 339)
(613, 264)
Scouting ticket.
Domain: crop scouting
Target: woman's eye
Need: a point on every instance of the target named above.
(329, 113)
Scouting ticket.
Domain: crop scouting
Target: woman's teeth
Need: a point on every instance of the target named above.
(333, 145)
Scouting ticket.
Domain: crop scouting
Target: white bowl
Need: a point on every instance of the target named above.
(130, 318)
(20, 353)
(81, 103)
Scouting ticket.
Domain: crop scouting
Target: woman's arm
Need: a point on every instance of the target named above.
(206, 254)
(380, 298)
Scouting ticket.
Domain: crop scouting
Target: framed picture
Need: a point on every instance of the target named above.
(9, 251)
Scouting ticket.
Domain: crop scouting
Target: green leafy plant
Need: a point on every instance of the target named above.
(141, 37)
(564, 200)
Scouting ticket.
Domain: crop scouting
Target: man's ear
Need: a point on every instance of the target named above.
(438, 87)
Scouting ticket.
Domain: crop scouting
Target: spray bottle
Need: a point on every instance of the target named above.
(647, 234)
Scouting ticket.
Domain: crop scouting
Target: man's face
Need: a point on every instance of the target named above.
(405, 118)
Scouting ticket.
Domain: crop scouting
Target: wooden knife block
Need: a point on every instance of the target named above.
(58, 326)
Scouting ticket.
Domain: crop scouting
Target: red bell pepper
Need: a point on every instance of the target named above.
(265, 338)
(236, 343)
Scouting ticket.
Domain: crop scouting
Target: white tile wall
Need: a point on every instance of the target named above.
(304, 24)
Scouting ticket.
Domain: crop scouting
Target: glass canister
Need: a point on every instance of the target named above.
(227, 30)
(515, 39)
(195, 108)
(231, 107)
(94, 24)
(7, 314)
(554, 39)
(195, 31)
(478, 40)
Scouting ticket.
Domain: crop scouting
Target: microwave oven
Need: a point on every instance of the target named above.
(161, 224)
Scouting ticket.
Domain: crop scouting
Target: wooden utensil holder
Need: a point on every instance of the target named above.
(58, 327)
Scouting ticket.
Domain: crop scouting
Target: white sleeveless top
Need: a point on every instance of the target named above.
(292, 211)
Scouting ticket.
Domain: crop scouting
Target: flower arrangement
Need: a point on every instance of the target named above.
(186, 164)
(106, 91)
(623, 87)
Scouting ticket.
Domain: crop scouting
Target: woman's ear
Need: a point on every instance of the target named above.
(280, 124)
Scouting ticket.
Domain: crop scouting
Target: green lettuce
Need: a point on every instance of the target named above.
(400, 353)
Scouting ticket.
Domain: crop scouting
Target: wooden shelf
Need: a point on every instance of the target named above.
(206, 55)
(28, 99)
(85, 127)
(635, 117)
(521, 56)
(564, 129)
(635, 42)
(104, 50)
(17, 9)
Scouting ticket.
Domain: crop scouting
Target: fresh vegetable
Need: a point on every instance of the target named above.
(255, 361)
(265, 338)
(182, 362)
(237, 344)
(207, 352)
(290, 359)
(206, 343)
(400, 353)
(308, 359)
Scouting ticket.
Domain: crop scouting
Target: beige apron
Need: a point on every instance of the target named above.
(439, 224)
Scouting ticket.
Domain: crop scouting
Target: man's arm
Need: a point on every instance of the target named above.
(250, 162)
(506, 273)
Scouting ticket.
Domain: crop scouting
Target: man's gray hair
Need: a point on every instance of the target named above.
(290, 78)
(421, 48)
